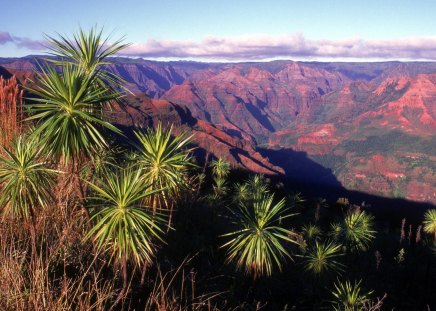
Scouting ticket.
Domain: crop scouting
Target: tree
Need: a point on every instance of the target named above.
(122, 226)
(69, 99)
(68, 113)
(26, 182)
(349, 296)
(220, 168)
(322, 257)
(257, 245)
(430, 222)
(88, 51)
(356, 231)
(311, 233)
(26, 178)
(164, 161)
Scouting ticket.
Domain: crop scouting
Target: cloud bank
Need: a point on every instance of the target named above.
(261, 47)
(21, 42)
(266, 47)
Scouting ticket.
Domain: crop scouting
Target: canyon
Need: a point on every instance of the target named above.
(369, 127)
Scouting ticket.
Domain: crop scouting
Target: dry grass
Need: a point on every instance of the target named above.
(175, 290)
(11, 109)
(43, 280)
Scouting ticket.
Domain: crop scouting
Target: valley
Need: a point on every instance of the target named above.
(370, 125)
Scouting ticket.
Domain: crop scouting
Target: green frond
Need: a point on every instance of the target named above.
(430, 222)
(356, 231)
(257, 246)
(121, 225)
(349, 296)
(68, 110)
(220, 168)
(26, 179)
(164, 159)
(321, 258)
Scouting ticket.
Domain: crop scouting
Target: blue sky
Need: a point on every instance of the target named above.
(233, 30)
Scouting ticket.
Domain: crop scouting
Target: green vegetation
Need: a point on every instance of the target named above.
(386, 142)
(87, 224)
(258, 243)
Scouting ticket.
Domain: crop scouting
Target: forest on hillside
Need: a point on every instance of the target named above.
(92, 218)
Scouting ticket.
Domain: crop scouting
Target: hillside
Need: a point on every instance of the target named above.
(372, 124)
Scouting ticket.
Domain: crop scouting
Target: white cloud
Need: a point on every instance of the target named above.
(260, 47)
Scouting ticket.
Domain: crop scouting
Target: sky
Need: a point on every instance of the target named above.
(238, 30)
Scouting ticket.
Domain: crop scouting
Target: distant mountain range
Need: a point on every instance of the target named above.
(369, 127)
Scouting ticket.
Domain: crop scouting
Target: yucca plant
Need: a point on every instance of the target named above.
(242, 192)
(165, 161)
(89, 51)
(26, 179)
(258, 186)
(349, 296)
(121, 226)
(220, 168)
(321, 258)
(258, 244)
(430, 222)
(356, 231)
(311, 233)
(253, 189)
(67, 109)
(220, 187)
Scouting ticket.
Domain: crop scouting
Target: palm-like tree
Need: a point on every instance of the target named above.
(164, 161)
(242, 192)
(258, 243)
(220, 168)
(311, 233)
(68, 111)
(430, 222)
(220, 187)
(356, 231)
(349, 296)
(89, 51)
(322, 257)
(122, 226)
(26, 179)
(251, 190)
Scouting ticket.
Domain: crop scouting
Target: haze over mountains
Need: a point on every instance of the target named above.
(366, 126)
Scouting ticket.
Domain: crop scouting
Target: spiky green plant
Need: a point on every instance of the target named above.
(26, 179)
(356, 231)
(430, 222)
(242, 192)
(88, 50)
(220, 187)
(311, 232)
(322, 258)
(258, 244)
(251, 190)
(220, 168)
(121, 225)
(68, 112)
(349, 296)
(165, 161)
(258, 186)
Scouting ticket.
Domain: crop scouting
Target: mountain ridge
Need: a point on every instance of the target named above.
(348, 117)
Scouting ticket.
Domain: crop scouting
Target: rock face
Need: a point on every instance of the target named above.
(144, 111)
(346, 121)
(252, 100)
(373, 125)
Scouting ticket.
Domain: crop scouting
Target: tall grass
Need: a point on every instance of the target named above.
(11, 109)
